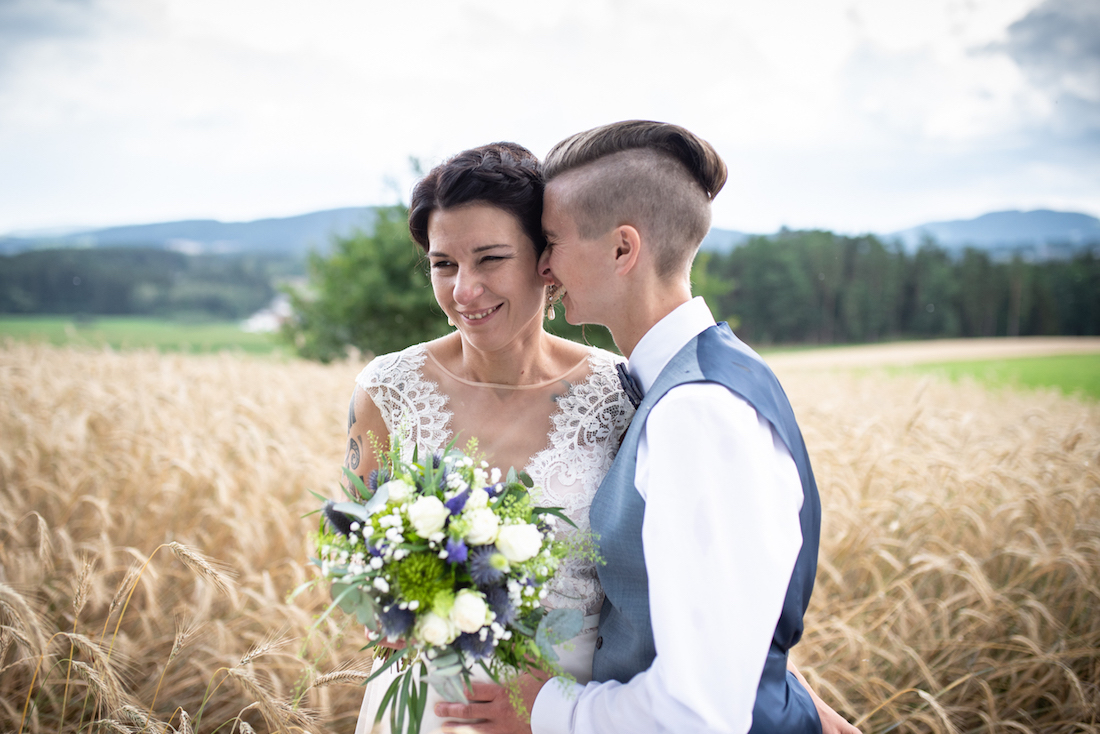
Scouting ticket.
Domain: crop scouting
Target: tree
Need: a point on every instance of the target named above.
(372, 293)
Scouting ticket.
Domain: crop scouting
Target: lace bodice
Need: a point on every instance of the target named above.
(585, 432)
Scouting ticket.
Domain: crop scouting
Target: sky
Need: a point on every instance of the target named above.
(850, 115)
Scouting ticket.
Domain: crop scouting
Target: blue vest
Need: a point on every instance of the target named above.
(625, 645)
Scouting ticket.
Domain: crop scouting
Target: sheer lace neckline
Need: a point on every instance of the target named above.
(501, 386)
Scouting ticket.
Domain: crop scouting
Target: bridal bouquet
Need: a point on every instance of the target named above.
(452, 558)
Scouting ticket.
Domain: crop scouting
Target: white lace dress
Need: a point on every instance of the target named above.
(586, 429)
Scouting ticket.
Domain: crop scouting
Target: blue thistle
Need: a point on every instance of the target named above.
(474, 646)
(396, 621)
(456, 503)
(457, 552)
(338, 521)
(495, 489)
(498, 600)
(378, 477)
(481, 567)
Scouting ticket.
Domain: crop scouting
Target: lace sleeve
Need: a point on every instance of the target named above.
(413, 408)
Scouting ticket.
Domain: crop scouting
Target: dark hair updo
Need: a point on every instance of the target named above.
(504, 175)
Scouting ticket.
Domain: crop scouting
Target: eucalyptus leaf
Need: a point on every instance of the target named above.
(526, 479)
(346, 596)
(354, 509)
(366, 611)
(448, 686)
(556, 627)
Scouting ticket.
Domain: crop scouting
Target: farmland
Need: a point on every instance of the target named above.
(151, 530)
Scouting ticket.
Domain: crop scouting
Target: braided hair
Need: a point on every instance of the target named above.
(504, 175)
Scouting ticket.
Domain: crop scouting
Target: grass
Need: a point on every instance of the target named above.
(151, 528)
(1077, 374)
(138, 333)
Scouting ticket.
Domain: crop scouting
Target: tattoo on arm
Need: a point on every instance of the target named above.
(351, 412)
(353, 454)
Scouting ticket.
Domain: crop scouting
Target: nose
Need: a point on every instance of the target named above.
(467, 287)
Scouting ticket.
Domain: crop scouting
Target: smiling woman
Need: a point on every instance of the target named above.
(533, 401)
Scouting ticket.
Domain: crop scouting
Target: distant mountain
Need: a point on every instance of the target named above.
(1038, 234)
(723, 240)
(288, 235)
(1043, 233)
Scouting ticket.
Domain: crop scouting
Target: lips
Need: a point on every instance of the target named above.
(479, 315)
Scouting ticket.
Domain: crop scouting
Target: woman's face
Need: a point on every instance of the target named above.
(483, 270)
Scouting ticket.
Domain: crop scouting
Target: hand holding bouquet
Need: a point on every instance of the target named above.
(452, 558)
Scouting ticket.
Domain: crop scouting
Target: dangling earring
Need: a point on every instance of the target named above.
(550, 293)
(449, 322)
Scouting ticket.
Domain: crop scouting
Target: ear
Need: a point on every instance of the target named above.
(628, 248)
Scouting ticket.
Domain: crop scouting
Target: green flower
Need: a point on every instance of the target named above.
(422, 576)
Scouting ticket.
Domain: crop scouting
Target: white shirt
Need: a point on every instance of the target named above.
(721, 535)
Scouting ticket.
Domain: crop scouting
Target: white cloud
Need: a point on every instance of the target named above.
(850, 114)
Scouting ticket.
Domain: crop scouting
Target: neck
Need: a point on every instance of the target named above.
(649, 303)
(525, 360)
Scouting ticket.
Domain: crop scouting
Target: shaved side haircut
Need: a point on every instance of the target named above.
(657, 177)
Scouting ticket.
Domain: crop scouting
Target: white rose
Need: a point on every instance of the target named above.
(427, 516)
(519, 542)
(399, 490)
(435, 630)
(483, 526)
(478, 498)
(470, 612)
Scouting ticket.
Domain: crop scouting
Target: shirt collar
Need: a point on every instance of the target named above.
(667, 337)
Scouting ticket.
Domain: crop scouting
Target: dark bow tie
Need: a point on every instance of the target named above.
(631, 386)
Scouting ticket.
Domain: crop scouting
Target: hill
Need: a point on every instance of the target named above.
(285, 235)
(1041, 233)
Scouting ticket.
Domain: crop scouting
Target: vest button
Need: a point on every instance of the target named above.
(599, 642)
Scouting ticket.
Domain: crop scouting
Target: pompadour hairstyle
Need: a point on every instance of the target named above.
(655, 176)
(504, 175)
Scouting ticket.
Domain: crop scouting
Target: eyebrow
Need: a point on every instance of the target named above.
(482, 248)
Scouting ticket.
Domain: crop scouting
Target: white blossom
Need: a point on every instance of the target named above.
(427, 515)
(484, 525)
(399, 490)
(478, 499)
(519, 543)
(435, 630)
(469, 612)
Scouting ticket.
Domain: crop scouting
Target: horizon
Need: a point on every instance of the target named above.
(62, 232)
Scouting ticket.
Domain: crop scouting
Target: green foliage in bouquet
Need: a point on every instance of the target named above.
(453, 558)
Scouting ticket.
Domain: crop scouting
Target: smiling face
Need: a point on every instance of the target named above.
(579, 264)
(483, 271)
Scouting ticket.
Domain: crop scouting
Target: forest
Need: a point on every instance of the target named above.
(822, 288)
(370, 290)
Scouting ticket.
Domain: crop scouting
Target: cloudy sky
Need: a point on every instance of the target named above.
(853, 115)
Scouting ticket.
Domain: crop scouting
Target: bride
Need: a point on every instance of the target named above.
(533, 400)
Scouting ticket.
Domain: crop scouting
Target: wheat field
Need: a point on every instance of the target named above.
(151, 531)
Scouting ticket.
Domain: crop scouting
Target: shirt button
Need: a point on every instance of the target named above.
(599, 642)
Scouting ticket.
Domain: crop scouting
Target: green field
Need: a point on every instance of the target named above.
(1076, 374)
(139, 333)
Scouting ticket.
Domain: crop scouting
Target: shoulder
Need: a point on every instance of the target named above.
(384, 368)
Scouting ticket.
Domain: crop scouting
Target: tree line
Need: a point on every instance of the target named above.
(373, 292)
(136, 281)
(822, 288)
